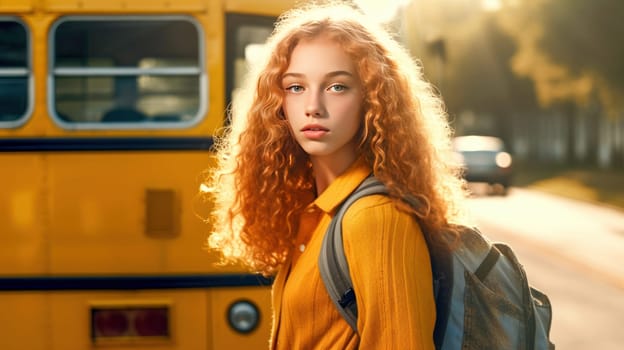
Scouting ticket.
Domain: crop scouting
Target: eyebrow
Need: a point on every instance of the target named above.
(328, 75)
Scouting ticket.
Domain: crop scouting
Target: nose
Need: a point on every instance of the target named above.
(314, 105)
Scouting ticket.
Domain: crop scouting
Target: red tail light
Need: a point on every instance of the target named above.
(110, 323)
(152, 322)
(113, 322)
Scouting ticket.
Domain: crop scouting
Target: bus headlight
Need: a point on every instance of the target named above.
(243, 316)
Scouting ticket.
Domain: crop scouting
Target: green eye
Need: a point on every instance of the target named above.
(338, 88)
(295, 88)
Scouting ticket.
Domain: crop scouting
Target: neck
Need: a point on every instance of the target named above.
(327, 169)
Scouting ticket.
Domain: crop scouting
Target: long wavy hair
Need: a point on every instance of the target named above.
(263, 179)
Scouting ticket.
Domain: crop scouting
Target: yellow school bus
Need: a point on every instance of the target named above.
(107, 113)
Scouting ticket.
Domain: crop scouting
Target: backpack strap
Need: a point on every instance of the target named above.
(332, 262)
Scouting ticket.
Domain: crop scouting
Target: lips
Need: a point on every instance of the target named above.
(314, 131)
(314, 127)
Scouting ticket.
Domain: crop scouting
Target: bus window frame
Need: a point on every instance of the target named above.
(199, 71)
(21, 72)
(234, 21)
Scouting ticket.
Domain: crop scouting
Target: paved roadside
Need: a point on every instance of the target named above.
(588, 236)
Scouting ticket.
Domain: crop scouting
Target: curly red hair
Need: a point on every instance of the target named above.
(264, 180)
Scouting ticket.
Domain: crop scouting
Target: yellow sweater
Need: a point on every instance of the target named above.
(390, 268)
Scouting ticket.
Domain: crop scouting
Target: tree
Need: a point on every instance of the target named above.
(571, 49)
(467, 56)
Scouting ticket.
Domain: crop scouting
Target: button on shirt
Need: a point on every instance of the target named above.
(390, 269)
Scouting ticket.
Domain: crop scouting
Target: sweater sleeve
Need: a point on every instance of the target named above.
(391, 271)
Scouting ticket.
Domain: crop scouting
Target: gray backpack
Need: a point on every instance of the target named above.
(483, 299)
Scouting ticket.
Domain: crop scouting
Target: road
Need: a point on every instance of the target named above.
(572, 251)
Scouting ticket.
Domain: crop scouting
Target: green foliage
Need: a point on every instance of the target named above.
(551, 52)
(586, 35)
(571, 49)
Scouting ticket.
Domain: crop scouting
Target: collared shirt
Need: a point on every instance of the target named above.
(389, 265)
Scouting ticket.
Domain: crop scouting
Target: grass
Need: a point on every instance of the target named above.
(596, 185)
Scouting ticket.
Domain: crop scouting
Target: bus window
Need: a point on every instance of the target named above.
(246, 35)
(127, 72)
(15, 73)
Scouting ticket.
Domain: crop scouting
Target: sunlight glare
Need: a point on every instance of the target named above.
(491, 5)
(204, 188)
(383, 11)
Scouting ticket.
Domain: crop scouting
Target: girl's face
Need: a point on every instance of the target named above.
(323, 100)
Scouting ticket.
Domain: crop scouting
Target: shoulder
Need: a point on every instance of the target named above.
(375, 209)
(376, 217)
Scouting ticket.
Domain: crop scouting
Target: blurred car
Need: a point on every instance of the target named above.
(484, 159)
